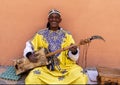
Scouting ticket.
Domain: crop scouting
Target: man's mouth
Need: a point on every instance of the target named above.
(54, 22)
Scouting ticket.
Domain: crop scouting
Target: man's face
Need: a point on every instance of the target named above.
(54, 20)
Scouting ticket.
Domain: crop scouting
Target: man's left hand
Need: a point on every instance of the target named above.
(73, 49)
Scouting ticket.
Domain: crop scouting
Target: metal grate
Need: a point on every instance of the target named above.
(10, 74)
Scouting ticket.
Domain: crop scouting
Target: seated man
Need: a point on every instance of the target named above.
(53, 38)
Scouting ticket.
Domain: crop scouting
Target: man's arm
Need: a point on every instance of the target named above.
(74, 55)
(28, 49)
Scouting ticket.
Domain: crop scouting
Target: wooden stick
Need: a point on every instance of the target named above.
(60, 50)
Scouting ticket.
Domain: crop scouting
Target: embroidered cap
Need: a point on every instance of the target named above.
(53, 11)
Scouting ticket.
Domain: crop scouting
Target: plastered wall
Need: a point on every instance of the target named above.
(21, 19)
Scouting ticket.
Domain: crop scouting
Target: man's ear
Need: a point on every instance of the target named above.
(60, 19)
(48, 19)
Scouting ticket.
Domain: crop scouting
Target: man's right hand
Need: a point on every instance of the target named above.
(32, 58)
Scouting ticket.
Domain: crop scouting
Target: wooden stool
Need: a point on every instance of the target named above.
(108, 76)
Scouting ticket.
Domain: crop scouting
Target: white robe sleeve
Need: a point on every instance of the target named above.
(28, 48)
(72, 56)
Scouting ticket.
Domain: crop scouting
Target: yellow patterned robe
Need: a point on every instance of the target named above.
(70, 72)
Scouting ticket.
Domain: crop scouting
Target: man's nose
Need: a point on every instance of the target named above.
(54, 19)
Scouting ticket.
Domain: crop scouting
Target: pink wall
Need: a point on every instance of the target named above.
(20, 19)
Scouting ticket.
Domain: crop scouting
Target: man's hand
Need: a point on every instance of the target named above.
(33, 58)
(73, 49)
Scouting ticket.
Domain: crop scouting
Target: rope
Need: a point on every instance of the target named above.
(84, 60)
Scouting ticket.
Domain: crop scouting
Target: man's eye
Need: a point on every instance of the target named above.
(53, 17)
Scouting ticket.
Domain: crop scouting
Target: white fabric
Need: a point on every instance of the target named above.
(74, 57)
(28, 48)
(92, 75)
